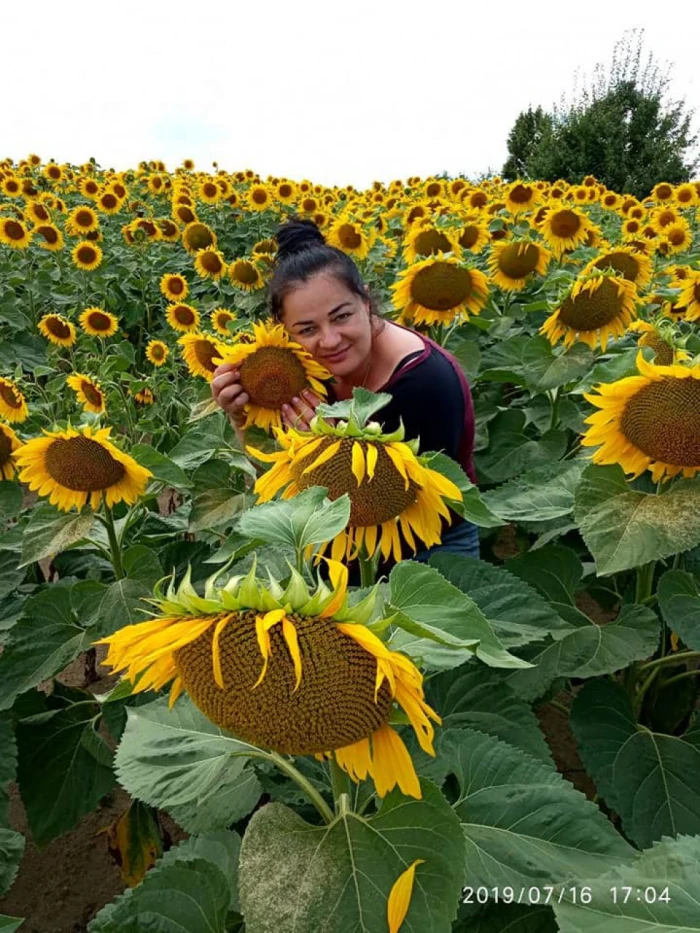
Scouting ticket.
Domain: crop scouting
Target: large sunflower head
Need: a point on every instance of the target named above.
(82, 467)
(174, 286)
(9, 443)
(220, 319)
(259, 198)
(38, 212)
(352, 238)
(99, 323)
(427, 240)
(625, 262)
(182, 317)
(474, 235)
(86, 255)
(273, 371)
(394, 494)
(522, 197)
(689, 297)
(199, 351)
(439, 289)
(209, 263)
(57, 329)
(677, 237)
(245, 274)
(512, 263)
(14, 233)
(13, 405)
(82, 220)
(295, 670)
(157, 352)
(48, 237)
(597, 308)
(649, 422)
(89, 392)
(564, 228)
(198, 236)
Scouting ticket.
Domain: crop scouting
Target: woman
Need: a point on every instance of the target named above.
(318, 294)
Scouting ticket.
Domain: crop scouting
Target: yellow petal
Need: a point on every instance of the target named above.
(263, 624)
(371, 460)
(358, 462)
(322, 457)
(400, 897)
(216, 650)
(392, 764)
(289, 634)
(339, 579)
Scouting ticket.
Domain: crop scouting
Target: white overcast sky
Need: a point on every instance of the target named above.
(339, 92)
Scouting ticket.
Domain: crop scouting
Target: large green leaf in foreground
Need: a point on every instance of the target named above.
(295, 876)
(659, 892)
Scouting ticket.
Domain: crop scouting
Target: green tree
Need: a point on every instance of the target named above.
(523, 140)
(624, 128)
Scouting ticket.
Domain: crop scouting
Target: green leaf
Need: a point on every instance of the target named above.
(176, 757)
(10, 499)
(531, 361)
(10, 574)
(649, 779)
(8, 767)
(428, 606)
(11, 849)
(233, 798)
(472, 507)
(511, 451)
(618, 367)
(517, 613)
(625, 529)
(162, 467)
(554, 570)
(122, 604)
(658, 892)
(358, 409)
(9, 924)
(50, 531)
(537, 495)
(222, 848)
(41, 644)
(307, 519)
(679, 602)
(478, 698)
(141, 563)
(466, 352)
(509, 918)
(590, 650)
(181, 896)
(85, 599)
(293, 875)
(216, 507)
(64, 768)
(523, 823)
(199, 444)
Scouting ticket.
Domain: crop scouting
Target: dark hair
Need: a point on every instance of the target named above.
(302, 252)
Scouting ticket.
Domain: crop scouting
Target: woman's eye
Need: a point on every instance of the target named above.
(341, 316)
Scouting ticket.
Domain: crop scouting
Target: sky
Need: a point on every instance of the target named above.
(339, 93)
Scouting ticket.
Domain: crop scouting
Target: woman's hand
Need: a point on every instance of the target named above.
(229, 394)
(300, 412)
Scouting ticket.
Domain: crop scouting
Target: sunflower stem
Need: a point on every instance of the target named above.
(304, 784)
(684, 676)
(645, 581)
(639, 698)
(114, 546)
(670, 659)
(341, 785)
(368, 567)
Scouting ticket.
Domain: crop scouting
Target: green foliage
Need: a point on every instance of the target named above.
(523, 140)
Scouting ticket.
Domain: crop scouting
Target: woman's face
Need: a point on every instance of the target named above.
(331, 322)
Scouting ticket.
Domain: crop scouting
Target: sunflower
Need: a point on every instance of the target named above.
(174, 286)
(13, 405)
(12, 187)
(198, 352)
(439, 289)
(564, 228)
(649, 422)
(690, 296)
(220, 318)
(82, 220)
(198, 236)
(521, 197)
(143, 396)
(265, 249)
(626, 262)
(245, 274)
(259, 198)
(80, 467)
(393, 492)
(57, 329)
(273, 371)
(474, 235)
(48, 237)
(37, 212)
(665, 217)
(14, 233)
(168, 230)
(678, 237)
(9, 443)
(88, 187)
(89, 392)
(610, 200)
(86, 255)
(286, 192)
(294, 670)
(597, 308)
(685, 196)
(99, 323)
(184, 214)
(351, 238)
(427, 240)
(208, 191)
(511, 263)
(209, 263)
(182, 317)
(664, 353)
(662, 192)
(474, 199)
(157, 352)
(109, 203)
(53, 172)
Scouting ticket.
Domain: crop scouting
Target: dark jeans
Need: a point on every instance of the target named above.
(459, 539)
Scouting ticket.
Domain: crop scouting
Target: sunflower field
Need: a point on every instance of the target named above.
(343, 758)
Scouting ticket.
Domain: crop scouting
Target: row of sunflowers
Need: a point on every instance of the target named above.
(389, 730)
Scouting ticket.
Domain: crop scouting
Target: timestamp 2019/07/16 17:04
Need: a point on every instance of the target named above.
(557, 894)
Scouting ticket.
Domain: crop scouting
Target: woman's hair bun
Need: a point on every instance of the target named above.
(297, 235)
